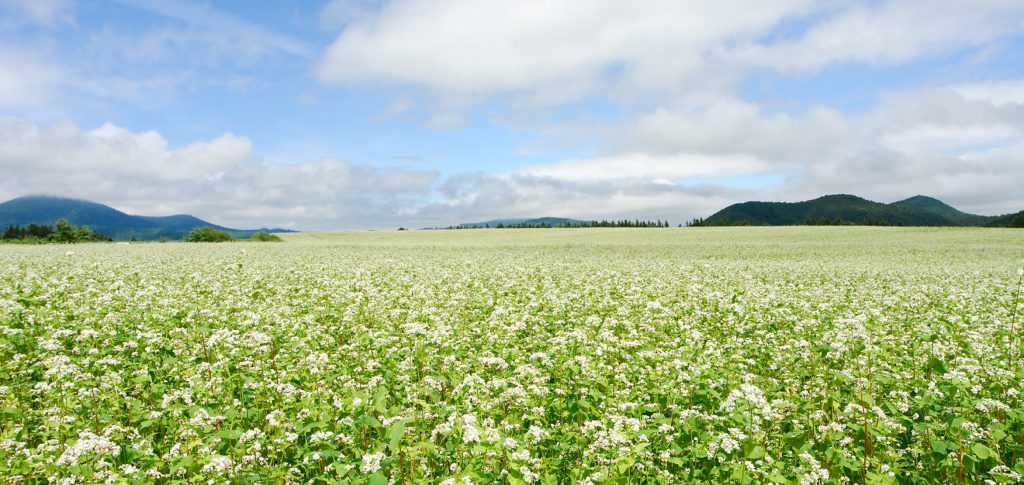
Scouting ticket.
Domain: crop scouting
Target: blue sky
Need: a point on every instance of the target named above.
(351, 114)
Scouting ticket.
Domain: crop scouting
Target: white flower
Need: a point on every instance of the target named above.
(88, 444)
(371, 462)
(219, 464)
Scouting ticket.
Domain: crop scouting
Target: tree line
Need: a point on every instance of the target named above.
(61, 232)
(809, 221)
(546, 225)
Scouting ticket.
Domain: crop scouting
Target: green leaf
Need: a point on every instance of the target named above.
(755, 453)
(981, 451)
(230, 434)
(12, 411)
(378, 479)
(395, 435)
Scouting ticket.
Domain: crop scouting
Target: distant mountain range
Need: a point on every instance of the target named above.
(42, 209)
(918, 210)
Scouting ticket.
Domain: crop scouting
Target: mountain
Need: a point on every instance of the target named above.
(848, 209)
(42, 209)
(537, 221)
(940, 208)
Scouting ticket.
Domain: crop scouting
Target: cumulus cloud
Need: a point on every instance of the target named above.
(559, 51)
(555, 50)
(965, 149)
(219, 179)
(691, 161)
(999, 93)
(675, 70)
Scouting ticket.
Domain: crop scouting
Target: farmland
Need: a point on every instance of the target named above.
(788, 355)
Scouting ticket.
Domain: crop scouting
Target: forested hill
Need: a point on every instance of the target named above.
(46, 210)
(849, 209)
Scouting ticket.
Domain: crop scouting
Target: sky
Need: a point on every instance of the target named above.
(367, 114)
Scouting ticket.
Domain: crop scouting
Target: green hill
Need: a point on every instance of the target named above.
(940, 208)
(846, 209)
(41, 209)
(1009, 220)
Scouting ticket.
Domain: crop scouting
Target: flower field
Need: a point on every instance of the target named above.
(711, 355)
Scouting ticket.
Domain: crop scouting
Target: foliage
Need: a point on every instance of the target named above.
(207, 234)
(1009, 220)
(265, 237)
(63, 233)
(744, 355)
(15, 232)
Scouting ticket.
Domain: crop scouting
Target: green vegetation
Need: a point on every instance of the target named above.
(265, 237)
(733, 355)
(1009, 220)
(844, 210)
(63, 232)
(556, 222)
(207, 234)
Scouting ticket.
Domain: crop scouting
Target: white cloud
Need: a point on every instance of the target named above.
(218, 179)
(930, 138)
(937, 142)
(478, 197)
(551, 52)
(999, 93)
(556, 50)
(728, 126)
(647, 168)
(890, 32)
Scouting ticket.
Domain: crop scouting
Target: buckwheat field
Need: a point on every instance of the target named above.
(742, 355)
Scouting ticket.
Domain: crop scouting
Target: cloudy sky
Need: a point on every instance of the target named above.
(352, 114)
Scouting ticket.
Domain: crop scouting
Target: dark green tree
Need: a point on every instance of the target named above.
(207, 234)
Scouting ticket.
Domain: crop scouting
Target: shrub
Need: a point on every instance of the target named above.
(263, 236)
(207, 234)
